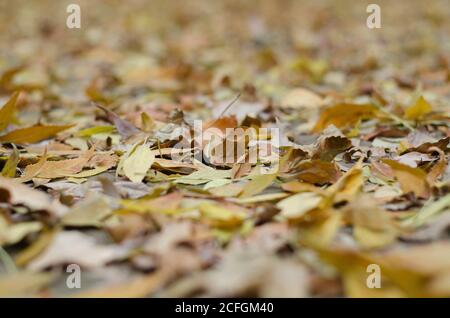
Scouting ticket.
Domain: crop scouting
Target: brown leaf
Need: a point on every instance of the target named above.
(318, 172)
(344, 115)
(125, 128)
(328, 147)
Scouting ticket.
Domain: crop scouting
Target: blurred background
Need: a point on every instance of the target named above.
(171, 48)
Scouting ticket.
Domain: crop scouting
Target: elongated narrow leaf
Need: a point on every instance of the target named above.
(7, 111)
(33, 134)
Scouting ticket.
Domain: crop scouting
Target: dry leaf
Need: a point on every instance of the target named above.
(410, 179)
(84, 251)
(137, 163)
(344, 116)
(7, 111)
(301, 98)
(18, 194)
(33, 134)
(418, 110)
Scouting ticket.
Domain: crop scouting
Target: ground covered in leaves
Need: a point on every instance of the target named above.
(91, 119)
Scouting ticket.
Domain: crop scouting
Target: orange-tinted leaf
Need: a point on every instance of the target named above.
(33, 134)
(344, 115)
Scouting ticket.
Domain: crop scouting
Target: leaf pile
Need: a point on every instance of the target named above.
(97, 168)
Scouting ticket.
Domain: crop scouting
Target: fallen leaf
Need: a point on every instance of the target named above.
(10, 167)
(410, 179)
(219, 216)
(60, 168)
(297, 205)
(84, 251)
(318, 172)
(344, 115)
(125, 128)
(88, 212)
(7, 111)
(137, 163)
(24, 283)
(15, 193)
(301, 98)
(418, 110)
(33, 134)
(257, 185)
(14, 233)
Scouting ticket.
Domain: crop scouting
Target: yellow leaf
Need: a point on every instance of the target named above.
(257, 184)
(369, 238)
(168, 204)
(89, 173)
(13, 233)
(7, 111)
(95, 130)
(148, 124)
(297, 205)
(221, 217)
(33, 134)
(322, 232)
(37, 247)
(9, 169)
(418, 110)
(136, 165)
